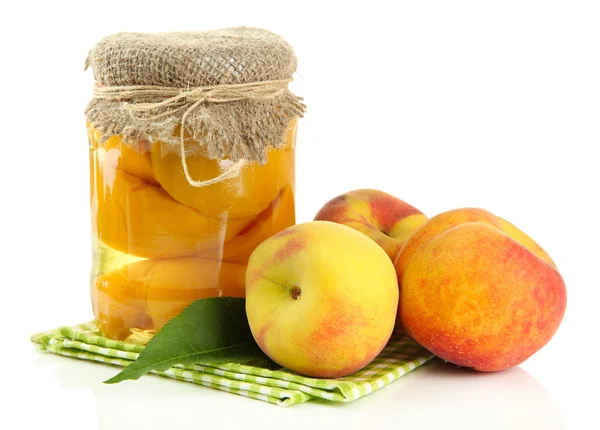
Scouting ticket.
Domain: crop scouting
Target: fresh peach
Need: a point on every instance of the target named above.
(321, 299)
(384, 218)
(478, 292)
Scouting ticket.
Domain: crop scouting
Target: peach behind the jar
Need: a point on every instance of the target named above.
(192, 141)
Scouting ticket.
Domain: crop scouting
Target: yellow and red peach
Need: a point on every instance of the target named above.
(321, 299)
(478, 292)
(384, 218)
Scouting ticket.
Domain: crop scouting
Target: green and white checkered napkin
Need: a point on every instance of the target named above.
(280, 387)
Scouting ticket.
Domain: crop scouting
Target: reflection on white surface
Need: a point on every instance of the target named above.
(442, 394)
(436, 395)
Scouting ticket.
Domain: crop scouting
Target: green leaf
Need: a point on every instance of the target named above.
(213, 330)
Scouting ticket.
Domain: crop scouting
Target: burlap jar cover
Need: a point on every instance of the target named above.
(229, 89)
(218, 94)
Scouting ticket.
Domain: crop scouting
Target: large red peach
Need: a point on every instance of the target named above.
(478, 292)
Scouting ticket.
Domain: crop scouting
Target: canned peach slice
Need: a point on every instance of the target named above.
(146, 294)
(278, 216)
(141, 219)
(243, 196)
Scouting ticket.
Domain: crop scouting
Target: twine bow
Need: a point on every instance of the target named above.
(139, 102)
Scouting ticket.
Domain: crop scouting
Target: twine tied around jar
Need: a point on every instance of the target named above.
(187, 100)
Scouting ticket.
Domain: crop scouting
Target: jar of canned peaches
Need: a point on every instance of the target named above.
(175, 220)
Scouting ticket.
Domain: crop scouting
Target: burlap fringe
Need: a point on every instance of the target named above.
(239, 129)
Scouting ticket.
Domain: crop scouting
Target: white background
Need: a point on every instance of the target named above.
(444, 104)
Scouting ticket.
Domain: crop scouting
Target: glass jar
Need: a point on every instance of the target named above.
(160, 243)
(192, 140)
